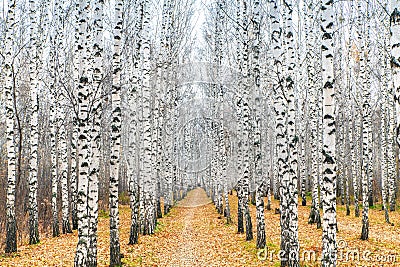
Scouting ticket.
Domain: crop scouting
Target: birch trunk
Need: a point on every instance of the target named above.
(95, 136)
(366, 131)
(395, 59)
(245, 92)
(289, 192)
(148, 219)
(328, 190)
(133, 99)
(239, 115)
(257, 134)
(315, 216)
(115, 255)
(73, 175)
(54, 152)
(395, 64)
(34, 135)
(83, 51)
(11, 224)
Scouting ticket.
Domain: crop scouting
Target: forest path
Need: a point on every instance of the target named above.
(187, 254)
(193, 234)
(194, 199)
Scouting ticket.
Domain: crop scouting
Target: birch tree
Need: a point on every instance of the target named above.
(115, 255)
(83, 50)
(328, 190)
(223, 138)
(395, 58)
(11, 224)
(54, 124)
(388, 121)
(245, 112)
(34, 135)
(366, 128)
(257, 135)
(133, 100)
(95, 128)
(315, 216)
(280, 113)
(288, 189)
(148, 208)
(61, 140)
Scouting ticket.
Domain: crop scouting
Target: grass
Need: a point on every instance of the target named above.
(272, 245)
(159, 227)
(377, 207)
(341, 208)
(10, 255)
(250, 246)
(123, 198)
(135, 262)
(104, 214)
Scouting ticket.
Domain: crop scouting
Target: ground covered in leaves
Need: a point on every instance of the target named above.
(193, 234)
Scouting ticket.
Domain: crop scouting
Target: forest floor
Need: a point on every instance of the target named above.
(194, 234)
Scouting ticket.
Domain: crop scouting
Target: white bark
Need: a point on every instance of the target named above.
(395, 58)
(289, 192)
(148, 205)
(328, 190)
(54, 151)
(395, 64)
(83, 51)
(366, 128)
(34, 135)
(260, 183)
(115, 255)
(134, 127)
(95, 138)
(11, 227)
